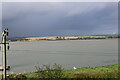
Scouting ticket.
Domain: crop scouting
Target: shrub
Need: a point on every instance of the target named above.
(51, 72)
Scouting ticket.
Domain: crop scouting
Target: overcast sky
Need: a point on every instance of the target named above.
(60, 18)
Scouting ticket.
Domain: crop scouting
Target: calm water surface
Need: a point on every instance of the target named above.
(24, 56)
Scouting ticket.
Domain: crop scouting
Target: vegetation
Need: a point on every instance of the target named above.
(46, 71)
(109, 71)
(55, 72)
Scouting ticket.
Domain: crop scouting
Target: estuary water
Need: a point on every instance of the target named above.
(24, 56)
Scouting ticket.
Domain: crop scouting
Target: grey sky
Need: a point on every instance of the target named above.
(0, 18)
(60, 18)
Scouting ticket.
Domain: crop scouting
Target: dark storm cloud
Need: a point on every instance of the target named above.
(54, 19)
(104, 19)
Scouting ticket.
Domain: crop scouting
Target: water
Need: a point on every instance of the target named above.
(24, 56)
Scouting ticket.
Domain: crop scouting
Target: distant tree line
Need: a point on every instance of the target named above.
(64, 38)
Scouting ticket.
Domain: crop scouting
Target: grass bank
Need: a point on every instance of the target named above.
(108, 71)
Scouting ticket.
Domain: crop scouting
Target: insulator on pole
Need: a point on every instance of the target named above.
(8, 47)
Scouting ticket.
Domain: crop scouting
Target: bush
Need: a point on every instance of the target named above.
(51, 72)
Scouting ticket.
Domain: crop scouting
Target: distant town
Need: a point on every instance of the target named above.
(54, 38)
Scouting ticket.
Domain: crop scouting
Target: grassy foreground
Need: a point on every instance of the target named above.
(108, 71)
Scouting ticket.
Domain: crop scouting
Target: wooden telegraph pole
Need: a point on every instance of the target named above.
(4, 38)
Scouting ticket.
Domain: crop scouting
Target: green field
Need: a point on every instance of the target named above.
(101, 72)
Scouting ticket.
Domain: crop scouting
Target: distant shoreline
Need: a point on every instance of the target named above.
(62, 40)
(58, 38)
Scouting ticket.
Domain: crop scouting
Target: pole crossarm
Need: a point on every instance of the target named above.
(4, 43)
